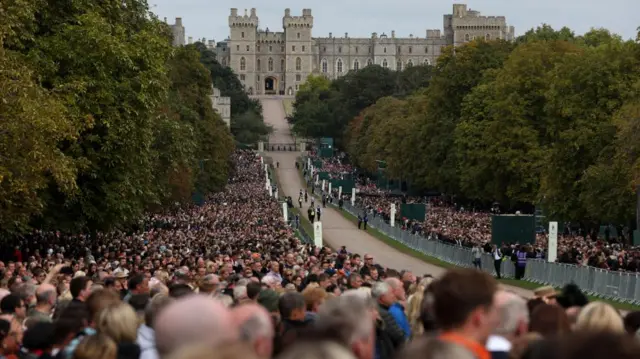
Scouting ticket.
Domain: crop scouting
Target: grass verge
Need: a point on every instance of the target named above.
(287, 103)
(440, 263)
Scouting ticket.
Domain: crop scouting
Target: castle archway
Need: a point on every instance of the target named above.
(270, 85)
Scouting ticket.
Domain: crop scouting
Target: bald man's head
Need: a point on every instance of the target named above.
(255, 327)
(194, 319)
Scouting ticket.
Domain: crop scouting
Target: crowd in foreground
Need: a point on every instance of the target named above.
(457, 225)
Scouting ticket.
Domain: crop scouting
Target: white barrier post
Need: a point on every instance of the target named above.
(353, 196)
(329, 188)
(393, 215)
(317, 234)
(552, 252)
(285, 211)
(323, 185)
(339, 192)
(270, 191)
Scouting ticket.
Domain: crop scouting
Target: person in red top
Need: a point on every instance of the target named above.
(463, 305)
(18, 254)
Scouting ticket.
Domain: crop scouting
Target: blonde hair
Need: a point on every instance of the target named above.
(119, 322)
(600, 317)
(414, 307)
(97, 346)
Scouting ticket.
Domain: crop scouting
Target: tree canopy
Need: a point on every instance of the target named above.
(551, 119)
(102, 119)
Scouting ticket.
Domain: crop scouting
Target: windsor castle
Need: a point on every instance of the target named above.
(278, 62)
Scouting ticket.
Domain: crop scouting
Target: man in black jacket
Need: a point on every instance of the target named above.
(389, 335)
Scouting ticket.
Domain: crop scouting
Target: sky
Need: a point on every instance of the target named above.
(360, 18)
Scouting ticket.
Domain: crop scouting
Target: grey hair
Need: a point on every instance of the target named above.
(46, 296)
(240, 292)
(349, 316)
(379, 289)
(243, 282)
(512, 312)
(255, 327)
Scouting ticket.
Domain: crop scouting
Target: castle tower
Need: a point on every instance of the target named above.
(298, 49)
(242, 46)
(178, 32)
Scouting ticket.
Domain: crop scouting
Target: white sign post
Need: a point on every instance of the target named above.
(339, 192)
(267, 185)
(317, 179)
(285, 211)
(309, 163)
(329, 187)
(317, 234)
(270, 191)
(323, 185)
(393, 215)
(353, 196)
(552, 252)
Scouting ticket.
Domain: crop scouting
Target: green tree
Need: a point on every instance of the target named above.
(584, 94)
(455, 76)
(501, 136)
(546, 33)
(106, 61)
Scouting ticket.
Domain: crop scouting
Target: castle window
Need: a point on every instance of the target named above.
(369, 62)
(399, 49)
(258, 65)
(282, 65)
(385, 64)
(243, 64)
(356, 65)
(298, 77)
(270, 48)
(242, 34)
(282, 48)
(324, 66)
(324, 49)
(303, 48)
(339, 65)
(487, 37)
(369, 49)
(385, 50)
(399, 66)
(340, 49)
(293, 48)
(242, 77)
(270, 64)
(298, 35)
(298, 64)
(237, 47)
(257, 78)
(257, 47)
(467, 37)
(410, 63)
(427, 62)
(356, 49)
(410, 49)
(248, 48)
(426, 50)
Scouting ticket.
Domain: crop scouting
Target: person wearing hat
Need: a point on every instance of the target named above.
(547, 293)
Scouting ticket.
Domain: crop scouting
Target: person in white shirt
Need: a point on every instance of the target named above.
(476, 251)
(497, 259)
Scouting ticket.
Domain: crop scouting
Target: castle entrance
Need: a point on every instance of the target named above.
(270, 86)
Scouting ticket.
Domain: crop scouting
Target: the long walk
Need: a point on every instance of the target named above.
(337, 230)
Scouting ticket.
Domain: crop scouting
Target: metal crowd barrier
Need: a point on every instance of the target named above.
(619, 286)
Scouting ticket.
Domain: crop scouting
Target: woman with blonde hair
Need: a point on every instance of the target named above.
(600, 317)
(97, 346)
(414, 307)
(120, 323)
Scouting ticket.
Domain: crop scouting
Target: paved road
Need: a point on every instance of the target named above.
(337, 230)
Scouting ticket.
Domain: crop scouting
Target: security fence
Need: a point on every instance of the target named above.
(620, 286)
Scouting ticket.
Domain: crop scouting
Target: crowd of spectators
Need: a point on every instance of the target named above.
(468, 227)
(230, 280)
